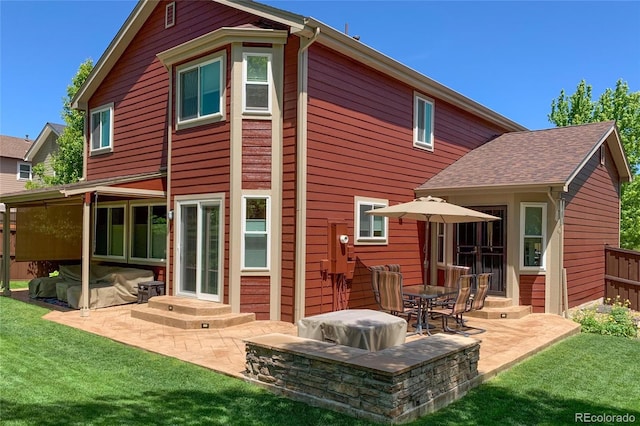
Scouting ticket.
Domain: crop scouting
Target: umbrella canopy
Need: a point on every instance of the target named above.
(432, 209)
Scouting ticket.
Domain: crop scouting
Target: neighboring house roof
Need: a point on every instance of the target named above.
(12, 147)
(543, 158)
(303, 27)
(42, 137)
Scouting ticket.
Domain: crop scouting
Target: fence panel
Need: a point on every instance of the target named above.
(622, 275)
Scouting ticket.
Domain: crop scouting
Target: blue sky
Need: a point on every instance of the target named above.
(511, 56)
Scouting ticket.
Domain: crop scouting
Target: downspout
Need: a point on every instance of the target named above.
(170, 215)
(301, 178)
(564, 297)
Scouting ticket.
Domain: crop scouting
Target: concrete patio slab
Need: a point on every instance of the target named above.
(505, 343)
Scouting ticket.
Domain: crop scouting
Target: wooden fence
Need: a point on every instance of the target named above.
(622, 275)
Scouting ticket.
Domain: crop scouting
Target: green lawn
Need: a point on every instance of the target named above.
(52, 375)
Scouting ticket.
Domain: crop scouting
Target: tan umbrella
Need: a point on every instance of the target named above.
(432, 209)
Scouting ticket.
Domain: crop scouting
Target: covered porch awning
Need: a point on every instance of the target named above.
(55, 222)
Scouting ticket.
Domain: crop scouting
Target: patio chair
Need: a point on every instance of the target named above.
(391, 298)
(452, 273)
(456, 309)
(476, 301)
(374, 281)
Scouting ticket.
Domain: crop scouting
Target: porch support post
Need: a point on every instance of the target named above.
(6, 251)
(86, 253)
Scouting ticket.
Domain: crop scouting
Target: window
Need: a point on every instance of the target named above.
(102, 129)
(257, 82)
(200, 90)
(255, 230)
(149, 232)
(423, 123)
(24, 171)
(109, 239)
(370, 229)
(441, 242)
(533, 224)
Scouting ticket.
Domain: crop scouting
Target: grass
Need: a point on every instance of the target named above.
(51, 374)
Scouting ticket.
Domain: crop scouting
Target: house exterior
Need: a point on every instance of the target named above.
(15, 172)
(44, 147)
(235, 148)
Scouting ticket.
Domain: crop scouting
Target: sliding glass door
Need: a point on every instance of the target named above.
(199, 249)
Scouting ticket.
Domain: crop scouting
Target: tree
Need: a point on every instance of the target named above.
(623, 107)
(67, 161)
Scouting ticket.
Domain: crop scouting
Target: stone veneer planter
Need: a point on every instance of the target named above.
(394, 385)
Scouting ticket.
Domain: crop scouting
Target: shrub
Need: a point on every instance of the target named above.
(613, 319)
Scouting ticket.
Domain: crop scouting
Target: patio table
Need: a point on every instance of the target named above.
(426, 295)
(358, 328)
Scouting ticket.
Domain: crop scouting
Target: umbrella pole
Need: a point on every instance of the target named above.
(426, 250)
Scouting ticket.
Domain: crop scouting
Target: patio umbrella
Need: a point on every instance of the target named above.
(432, 209)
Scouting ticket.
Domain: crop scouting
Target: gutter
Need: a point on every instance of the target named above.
(301, 178)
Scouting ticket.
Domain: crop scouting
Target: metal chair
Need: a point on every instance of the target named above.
(391, 297)
(457, 307)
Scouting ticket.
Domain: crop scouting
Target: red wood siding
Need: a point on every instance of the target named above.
(256, 154)
(360, 143)
(532, 292)
(591, 222)
(138, 86)
(254, 296)
(159, 184)
(289, 141)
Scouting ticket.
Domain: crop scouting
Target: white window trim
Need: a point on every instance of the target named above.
(269, 55)
(198, 200)
(444, 243)
(429, 146)
(111, 205)
(22, 163)
(103, 149)
(363, 241)
(244, 232)
(543, 263)
(142, 260)
(205, 119)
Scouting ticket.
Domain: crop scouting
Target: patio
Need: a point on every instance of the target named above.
(505, 343)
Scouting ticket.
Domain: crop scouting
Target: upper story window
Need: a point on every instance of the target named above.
(256, 74)
(24, 171)
(110, 226)
(370, 229)
(533, 235)
(102, 129)
(255, 229)
(149, 232)
(423, 123)
(200, 92)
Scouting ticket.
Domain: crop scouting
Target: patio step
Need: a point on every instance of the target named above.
(497, 302)
(189, 314)
(507, 312)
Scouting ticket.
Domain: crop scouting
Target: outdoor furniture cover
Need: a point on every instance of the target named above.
(43, 286)
(358, 328)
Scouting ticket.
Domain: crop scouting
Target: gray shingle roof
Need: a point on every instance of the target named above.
(12, 147)
(539, 157)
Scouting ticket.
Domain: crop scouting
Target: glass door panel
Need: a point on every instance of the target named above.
(200, 245)
(188, 248)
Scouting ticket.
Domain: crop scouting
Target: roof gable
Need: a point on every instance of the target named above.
(47, 130)
(551, 157)
(303, 27)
